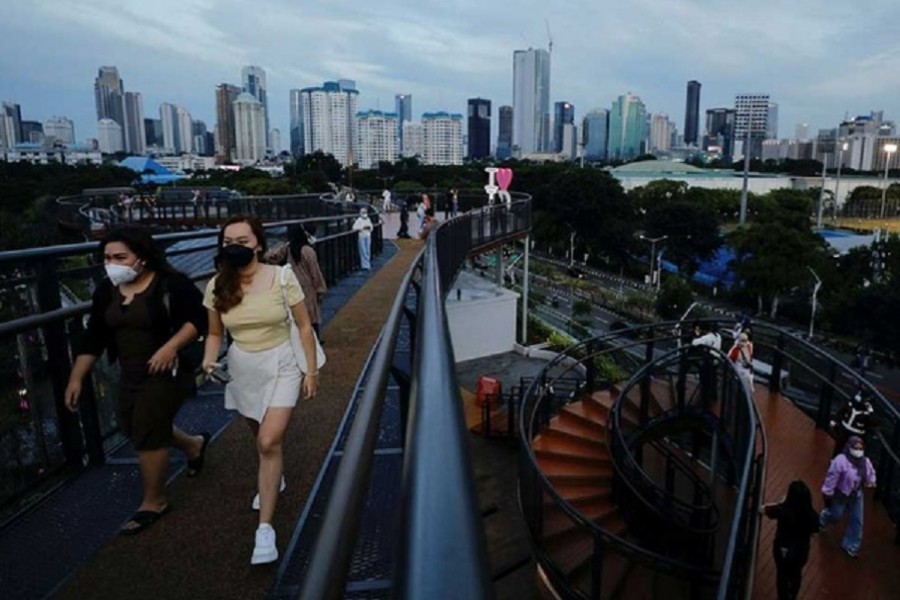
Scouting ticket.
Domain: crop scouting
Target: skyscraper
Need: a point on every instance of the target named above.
(109, 136)
(169, 119)
(109, 96)
(660, 133)
(32, 132)
(443, 138)
(11, 125)
(135, 134)
(329, 120)
(403, 108)
(60, 129)
(720, 131)
(692, 114)
(595, 134)
(753, 113)
(531, 101)
(563, 114)
(198, 133)
(504, 132)
(296, 134)
(153, 132)
(254, 81)
(226, 94)
(377, 138)
(413, 140)
(249, 129)
(479, 129)
(627, 125)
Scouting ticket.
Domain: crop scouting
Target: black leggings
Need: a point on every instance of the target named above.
(789, 572)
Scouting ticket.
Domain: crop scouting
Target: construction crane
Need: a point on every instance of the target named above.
(549, 37)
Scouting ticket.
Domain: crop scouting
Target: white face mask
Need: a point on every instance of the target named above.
(856, 453)
(119, 274)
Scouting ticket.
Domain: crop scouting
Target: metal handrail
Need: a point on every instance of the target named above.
(437, 476)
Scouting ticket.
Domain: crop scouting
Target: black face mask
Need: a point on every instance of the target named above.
(236, 255)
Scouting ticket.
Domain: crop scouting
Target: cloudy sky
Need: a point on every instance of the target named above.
(819, 59)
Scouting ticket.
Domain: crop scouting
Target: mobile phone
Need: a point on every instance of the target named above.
(220, 375)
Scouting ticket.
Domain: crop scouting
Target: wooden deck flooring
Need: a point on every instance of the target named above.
(797, 450)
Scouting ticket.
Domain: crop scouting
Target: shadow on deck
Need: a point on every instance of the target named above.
(797, 450)
(67, 547)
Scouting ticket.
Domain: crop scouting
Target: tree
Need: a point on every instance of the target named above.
(675, 296)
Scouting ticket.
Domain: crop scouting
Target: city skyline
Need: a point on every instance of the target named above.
(177, 52)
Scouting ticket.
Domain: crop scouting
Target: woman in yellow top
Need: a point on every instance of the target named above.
(247, 298)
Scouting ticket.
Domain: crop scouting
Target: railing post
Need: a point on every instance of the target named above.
(591, 367)
(826, 397)
(597, 567)
(777, 365)
(58, 365)
(90, 416)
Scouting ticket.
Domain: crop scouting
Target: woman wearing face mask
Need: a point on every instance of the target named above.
(247, 297)
(142, 315)
(364, 226)
(846, 476)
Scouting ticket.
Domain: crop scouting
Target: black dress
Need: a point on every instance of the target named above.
(791, 547)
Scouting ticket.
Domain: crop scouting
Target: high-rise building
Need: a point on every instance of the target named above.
(60, 129)
(442, 133)
(752, 117)
(254, 81)
(109, 97)
(135, 135)
(531, 102)
(801, 132)
(479, 129)
(772, 122)
(275, 141)
(660, 133)
(692, 114)
(168, 116)
(198, 134)
(32, 132)
(595, 134)
(11, 125)
(403, 108)
(154, 133)
(413, 140)
(377, 138)
(109, 136)
(627, 127)
(720, 131)
(296, 114)
(249, 129)
(329, 120)
(226, 94)
(569, 146)
(185, 130)
(504, 132)
(563, 114)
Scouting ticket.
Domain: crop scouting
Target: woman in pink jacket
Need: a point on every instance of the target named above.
(848, 473)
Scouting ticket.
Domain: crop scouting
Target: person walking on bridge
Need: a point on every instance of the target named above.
(848, 473)
(363, 225)
(252, 300)
(145, 315)
(797, 523)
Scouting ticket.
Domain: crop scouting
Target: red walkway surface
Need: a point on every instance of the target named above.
(797, 450)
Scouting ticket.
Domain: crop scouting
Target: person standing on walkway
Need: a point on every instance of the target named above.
(847, 474)
(386, 201)
(424, 205)
(299, 253)
(249, 299)
(797, 522)
(454, 203)
(403, 232)
(363, 225)
(142, 315)
(707, 336)
(741, 355)
(856, 418)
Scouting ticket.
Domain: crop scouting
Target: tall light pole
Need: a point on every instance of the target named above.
(822, 191)
(653, 250)
(843, 146)
(889, 149)
(814, 305)
(572, 249)
(743, 215)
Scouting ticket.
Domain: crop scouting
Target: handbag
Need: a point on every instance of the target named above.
(296, 343)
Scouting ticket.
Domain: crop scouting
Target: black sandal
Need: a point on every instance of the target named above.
(144, 519)
(195, 465)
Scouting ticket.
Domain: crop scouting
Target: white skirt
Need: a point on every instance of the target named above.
(270, 378)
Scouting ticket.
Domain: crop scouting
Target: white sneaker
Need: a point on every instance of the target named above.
(265, 550)
(281, 488)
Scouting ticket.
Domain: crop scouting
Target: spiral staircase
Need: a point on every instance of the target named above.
(639, 452)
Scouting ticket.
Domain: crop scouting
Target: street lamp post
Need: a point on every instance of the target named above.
(837, 184)
(572, 249)
(653, 251)
(814, 305)
(889, 149)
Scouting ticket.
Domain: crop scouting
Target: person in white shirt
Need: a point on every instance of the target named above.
(709, 337)
(386, 200)
(364, 226)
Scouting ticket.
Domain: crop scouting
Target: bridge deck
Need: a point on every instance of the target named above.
(202, 549)
(797, 450)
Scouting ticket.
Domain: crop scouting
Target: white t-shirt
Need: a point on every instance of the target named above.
(364, 226)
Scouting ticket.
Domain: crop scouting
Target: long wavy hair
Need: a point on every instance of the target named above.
(227, 292)
(298, 237)
(139, 240)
